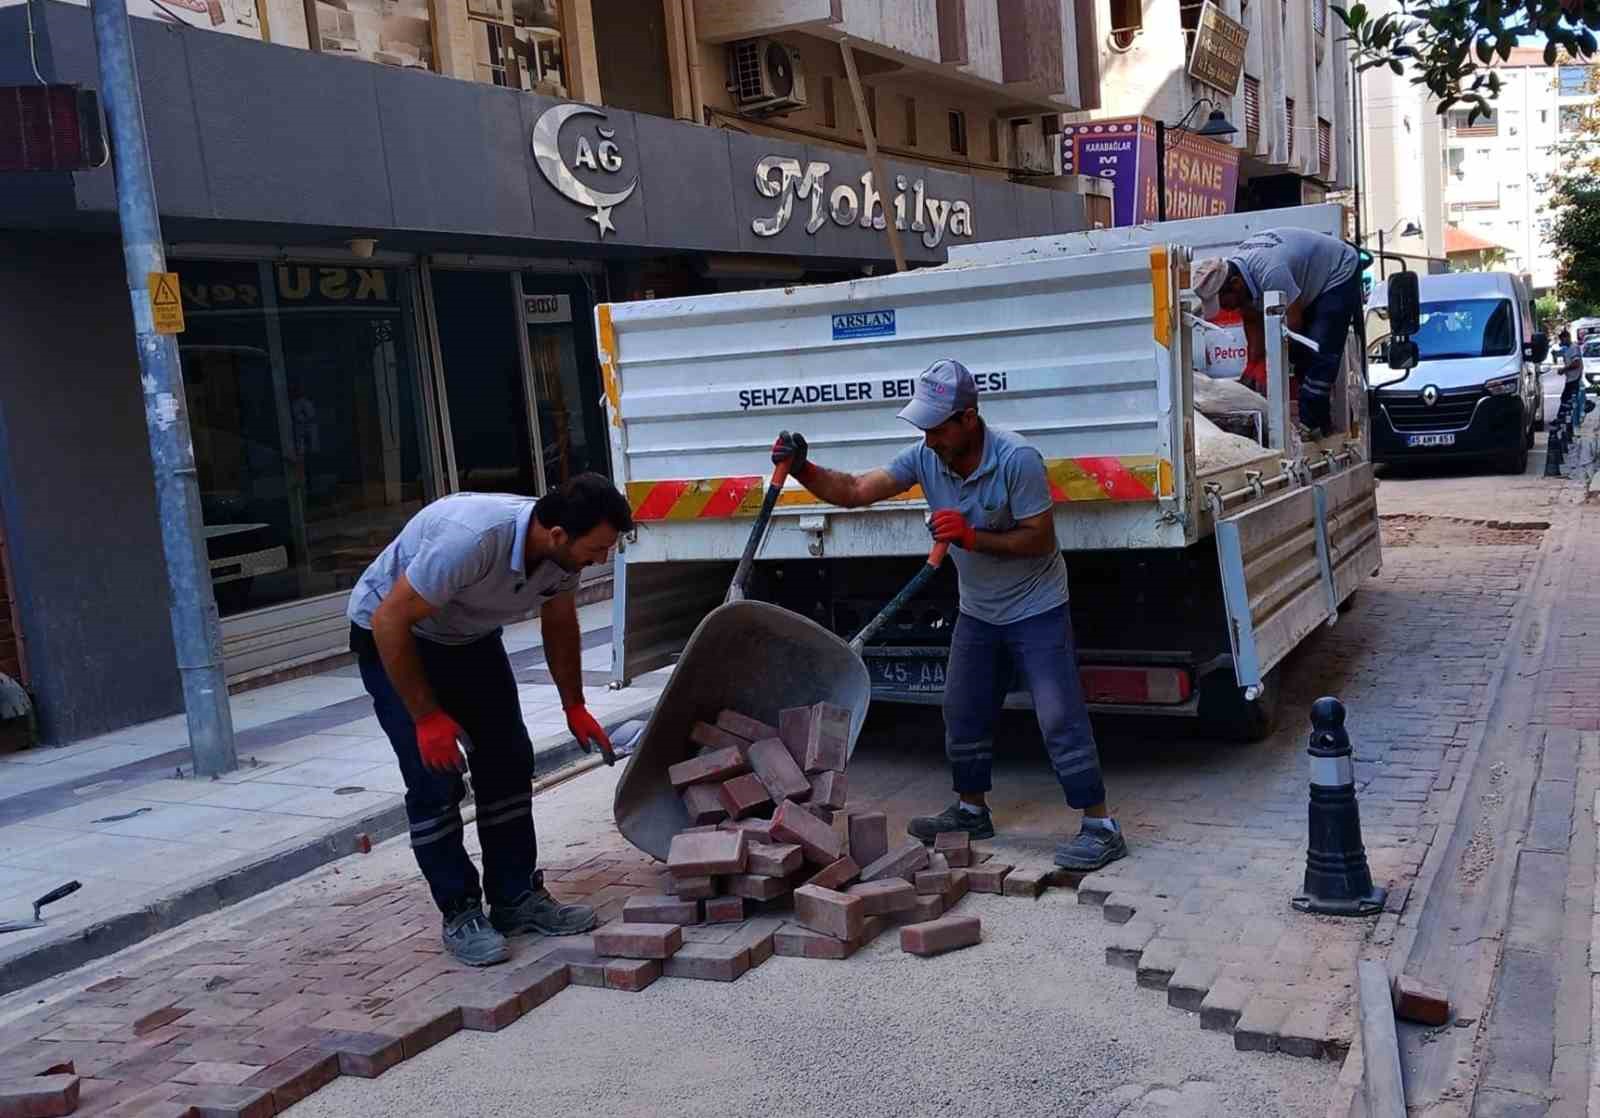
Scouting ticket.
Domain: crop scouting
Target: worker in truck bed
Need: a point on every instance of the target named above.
(1320, 276)
(992, 503)
(425, 622)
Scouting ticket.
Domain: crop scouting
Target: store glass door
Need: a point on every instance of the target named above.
(557, 312)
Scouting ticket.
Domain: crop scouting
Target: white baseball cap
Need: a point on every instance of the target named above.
(1205, 280)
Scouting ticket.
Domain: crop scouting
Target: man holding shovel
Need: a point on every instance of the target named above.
(425, 623)
(992, 504)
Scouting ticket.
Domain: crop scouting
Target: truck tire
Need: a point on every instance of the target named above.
(1226, 715)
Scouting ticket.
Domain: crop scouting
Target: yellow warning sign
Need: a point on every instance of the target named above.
(166, 304)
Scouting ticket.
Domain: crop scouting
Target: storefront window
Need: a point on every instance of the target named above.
(393, 32)
(517, 44)
(301, 385)
(566, 378)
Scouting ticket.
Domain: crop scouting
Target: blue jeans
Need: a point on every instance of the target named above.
(474, 685)
(1039, 649)
(1327, 322)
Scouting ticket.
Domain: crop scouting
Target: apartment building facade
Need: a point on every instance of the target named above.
(1277, 69)
(392, 221)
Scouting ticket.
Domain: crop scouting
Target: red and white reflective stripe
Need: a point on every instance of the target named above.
(1106, 683)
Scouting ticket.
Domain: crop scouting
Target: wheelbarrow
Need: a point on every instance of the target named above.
(752, 657)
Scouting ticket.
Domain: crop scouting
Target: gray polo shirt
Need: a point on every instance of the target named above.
(1009, 485)
(464, 554)
(1297, 262)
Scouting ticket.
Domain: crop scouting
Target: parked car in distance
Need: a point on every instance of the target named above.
(1476, 390)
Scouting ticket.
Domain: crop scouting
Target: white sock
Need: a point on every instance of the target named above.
(1107, 824)
(970, 809)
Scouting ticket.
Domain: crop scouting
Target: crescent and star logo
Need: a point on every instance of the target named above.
(1430, 395)
(603, 156)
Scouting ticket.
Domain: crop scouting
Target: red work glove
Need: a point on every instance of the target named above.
(436, 741)
(949, 526)
(792, 448)
(586, 730)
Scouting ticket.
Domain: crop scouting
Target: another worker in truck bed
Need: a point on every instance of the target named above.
(425, 621)
(992, 502)
(1320, 276)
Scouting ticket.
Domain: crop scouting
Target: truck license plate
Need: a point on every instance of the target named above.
(1431, 440)
(894, 673)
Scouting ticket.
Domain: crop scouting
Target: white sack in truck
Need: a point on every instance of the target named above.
(1222, 397)
(1216, 449)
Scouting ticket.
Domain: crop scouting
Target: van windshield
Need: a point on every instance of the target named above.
(1466, 328)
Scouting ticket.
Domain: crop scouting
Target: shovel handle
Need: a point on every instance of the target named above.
(741, 576)
(936, 556)
(55, 895)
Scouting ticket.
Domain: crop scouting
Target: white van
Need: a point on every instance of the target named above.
(1475, 390)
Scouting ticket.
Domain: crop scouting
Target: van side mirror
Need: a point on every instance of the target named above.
(1538, 349)
(1405, 313)
(1403, 353)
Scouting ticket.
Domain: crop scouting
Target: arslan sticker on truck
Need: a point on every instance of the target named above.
(850, 392)
(863, 324)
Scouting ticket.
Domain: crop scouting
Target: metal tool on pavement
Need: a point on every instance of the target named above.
(51, 897)
(753, 657)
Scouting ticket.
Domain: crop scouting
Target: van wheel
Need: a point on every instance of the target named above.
(1226, 715)
(1515, 462)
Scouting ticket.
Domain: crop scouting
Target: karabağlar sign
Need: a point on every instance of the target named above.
(782, 177)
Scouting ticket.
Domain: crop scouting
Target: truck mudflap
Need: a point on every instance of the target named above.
(1288, 564)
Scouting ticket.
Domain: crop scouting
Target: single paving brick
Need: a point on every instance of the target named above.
(1119, 908)
(754, 886)
(421, 1028)
(756, 936)
(1224, 1002)
(215, 1071)
(1259, 1025)
(222, 1100)
(778, 771)
(828, 789)
(39, 1096)
(696, 888)
(886, 897)
(959, 885)
(794, 726)
(1095, 888)
(489, 1007)
(584, 967)
(1128, 943)
(365, 1055)
(774, 859)
(714, 962)
(716, 766)
(536, 981)
(1025, 881)
(645, 908)
(755, 830)
(1304, 1031)
(934, 881)
(948, 842)
(1417, 1001)
(638, 941)
(706, 853)
(298, 1075)
(800, 942)
(820, 842)
(632, 975)
(1160, 958)
(744, 795)
(938, 936)
(750, 729)
(869, 836)
(827, 738)
(988, 877)
(904, 861)
(836, 875)
(715, 738)
(828, 911)
(923, 909)
(1191, 982)
(725, 910)
(704, 804)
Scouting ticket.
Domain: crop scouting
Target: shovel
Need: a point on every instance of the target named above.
(51, 897)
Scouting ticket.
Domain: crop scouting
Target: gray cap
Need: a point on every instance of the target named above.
(943, 388)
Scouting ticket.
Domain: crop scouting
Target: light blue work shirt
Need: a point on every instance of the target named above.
(1298, 262)
(1009, 485)
(465, 555)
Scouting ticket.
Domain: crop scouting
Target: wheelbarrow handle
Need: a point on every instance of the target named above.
(55, 895)
(741, 576)
(936, 556)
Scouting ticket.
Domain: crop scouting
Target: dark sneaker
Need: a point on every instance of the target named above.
(469, 937)
(978, 824)
(1093, 848)
(542, 913)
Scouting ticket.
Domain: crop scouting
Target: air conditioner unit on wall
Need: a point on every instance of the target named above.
(765, 76)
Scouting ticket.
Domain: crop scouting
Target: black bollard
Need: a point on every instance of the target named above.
(1338, 882)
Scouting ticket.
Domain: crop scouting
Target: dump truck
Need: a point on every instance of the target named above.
(1197, 561)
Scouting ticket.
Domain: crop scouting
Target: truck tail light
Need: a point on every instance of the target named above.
(50, 128)
(1119, 684)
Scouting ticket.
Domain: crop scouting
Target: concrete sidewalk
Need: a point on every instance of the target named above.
(153, 846)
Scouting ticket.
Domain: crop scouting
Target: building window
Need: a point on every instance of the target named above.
(1289, 107)
(870, 96)
(516, 45)
(1571, 118)
(1127, 20)
(911, 122)
(1252, 111)
(1458, 122)
(303, 405)
(994, 141)
(1325, 148)
(397, 34)
(1319, 16)
(958, 132)
(1544, 116)
(830, 107)
(1455, 161)
(1572, 81)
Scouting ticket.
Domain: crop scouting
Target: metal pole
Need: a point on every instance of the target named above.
(195, 630)
(1161, 171)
